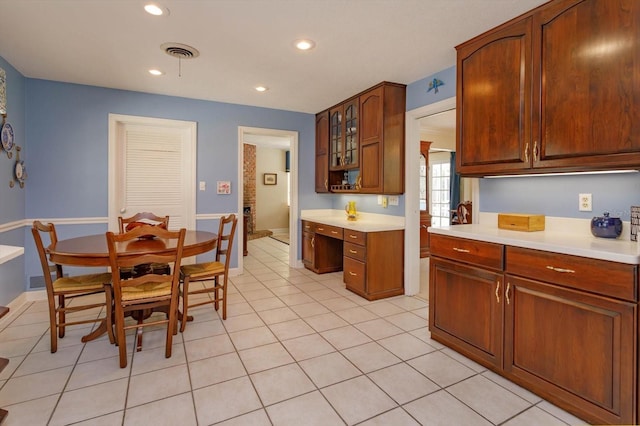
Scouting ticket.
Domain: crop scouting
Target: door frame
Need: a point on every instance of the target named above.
(293, 208)
(412, 191)
(116, 121)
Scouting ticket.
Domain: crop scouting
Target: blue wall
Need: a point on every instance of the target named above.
(12, 200)
(557, 196)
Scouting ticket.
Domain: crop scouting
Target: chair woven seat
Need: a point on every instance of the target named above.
(90, 282)
(147, 291)
(199, 269)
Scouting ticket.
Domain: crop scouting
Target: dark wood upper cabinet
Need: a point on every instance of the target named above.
(555, 90)
(365, 136)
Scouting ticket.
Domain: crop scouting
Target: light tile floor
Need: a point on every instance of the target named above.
(296, 349)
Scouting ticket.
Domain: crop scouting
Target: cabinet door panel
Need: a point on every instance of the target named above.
(322, 152)
(466, 309)
(493, 104)
(589, 95)
(575, 344)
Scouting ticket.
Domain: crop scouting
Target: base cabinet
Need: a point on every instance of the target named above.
(464, 309)
(374, 263)
(564, 327)
(572, 344)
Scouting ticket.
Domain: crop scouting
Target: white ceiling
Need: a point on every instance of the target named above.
(245, 43)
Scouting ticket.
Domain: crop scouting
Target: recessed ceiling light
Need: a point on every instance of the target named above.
(156, 10)
(305, 44)
(261, 88)
(155, 72)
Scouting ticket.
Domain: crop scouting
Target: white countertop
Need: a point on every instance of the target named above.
(10, 252)
(584, 245)
(366, 222)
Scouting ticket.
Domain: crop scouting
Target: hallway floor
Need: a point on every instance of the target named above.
(296, 349)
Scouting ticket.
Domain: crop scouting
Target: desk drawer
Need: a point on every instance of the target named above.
(308, 226)
(355, 237)
(329, 231)
(355, 251)
(611, 279)
(354, 273)
(489, 255)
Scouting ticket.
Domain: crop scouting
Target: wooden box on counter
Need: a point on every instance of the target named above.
(521, 222)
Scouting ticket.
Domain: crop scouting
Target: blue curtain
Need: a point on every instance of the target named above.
(454, 184)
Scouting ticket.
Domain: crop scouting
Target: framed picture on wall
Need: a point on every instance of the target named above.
(270, 179)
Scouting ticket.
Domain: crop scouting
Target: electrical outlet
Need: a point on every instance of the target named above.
(379, 200)
(385, 201)
(394, 200)
(203, 185)
(584, 202)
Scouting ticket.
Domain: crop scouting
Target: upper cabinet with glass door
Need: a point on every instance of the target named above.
(343, 135)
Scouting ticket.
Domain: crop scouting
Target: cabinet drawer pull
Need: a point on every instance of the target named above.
(536, 153)
(307, 226)
(353, 236)
(506, 293)
(313, 242)
(326, 184)
(320, 229)
(334, 232)
(526, 153)
(563, 270)
(353, 251)
(353, 274)
(498, 292)
(424, 226)
(459, 250)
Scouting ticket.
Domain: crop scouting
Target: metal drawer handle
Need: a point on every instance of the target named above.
(526, 153)
(320, 229)
(313, 242)
(307, 226)
(353, 251)
(461, 250)
(567, 271)
(334, 232)
(353, 274)
(424, 226)
(498, 292)
(506, 293)
(353, 236)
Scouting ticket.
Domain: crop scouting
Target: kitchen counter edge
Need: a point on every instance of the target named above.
(577, 245)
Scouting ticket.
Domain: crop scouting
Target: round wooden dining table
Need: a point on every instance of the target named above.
(91, 250)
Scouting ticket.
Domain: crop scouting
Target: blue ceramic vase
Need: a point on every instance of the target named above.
(606, 227)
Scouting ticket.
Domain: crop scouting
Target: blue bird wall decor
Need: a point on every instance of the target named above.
(434, 84)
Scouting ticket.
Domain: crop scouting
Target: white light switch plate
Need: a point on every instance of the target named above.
(203, 185)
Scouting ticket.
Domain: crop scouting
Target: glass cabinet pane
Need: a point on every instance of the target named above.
(335, 124)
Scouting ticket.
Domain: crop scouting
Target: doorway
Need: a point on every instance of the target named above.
(283, 140)
(152, 168)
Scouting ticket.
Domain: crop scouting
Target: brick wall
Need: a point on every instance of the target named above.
(249, 183)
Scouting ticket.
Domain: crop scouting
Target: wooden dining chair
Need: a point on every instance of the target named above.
(126, 224)
(147, 291)
(216, 271)
(138, 219)
(64, 293)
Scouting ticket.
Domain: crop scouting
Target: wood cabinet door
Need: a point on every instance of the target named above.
(322, 152)
(465, 309)
(308, 250)
(336, 137)
(587, 54)
(371, 139)
(573, 345)
(493, 101)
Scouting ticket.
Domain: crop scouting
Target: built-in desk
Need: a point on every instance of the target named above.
(370, 252)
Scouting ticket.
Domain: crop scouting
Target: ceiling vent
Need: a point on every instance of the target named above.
(180, 51)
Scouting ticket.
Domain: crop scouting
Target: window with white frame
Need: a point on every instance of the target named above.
(440, 169)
